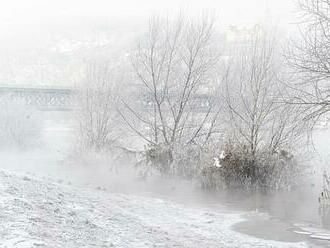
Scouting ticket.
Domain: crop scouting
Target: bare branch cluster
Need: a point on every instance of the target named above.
(97, 101)
(259, 118)
(310, 59)
(172, 66)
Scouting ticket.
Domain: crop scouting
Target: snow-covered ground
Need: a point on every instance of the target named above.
(45, 202)
(41, 213)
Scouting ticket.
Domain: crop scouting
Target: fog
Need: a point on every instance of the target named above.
(208, 108)
(41, 39)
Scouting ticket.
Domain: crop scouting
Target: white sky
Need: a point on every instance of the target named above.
(32, 12)
(29, 26)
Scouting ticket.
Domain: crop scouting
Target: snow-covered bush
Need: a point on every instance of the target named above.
(191, 159)
(19, 124)
(155, 159)
(159, 157)
(185, 161)
(238, 169)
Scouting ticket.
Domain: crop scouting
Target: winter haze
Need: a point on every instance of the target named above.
(153, 123)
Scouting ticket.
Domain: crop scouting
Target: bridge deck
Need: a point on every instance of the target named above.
(45, 98)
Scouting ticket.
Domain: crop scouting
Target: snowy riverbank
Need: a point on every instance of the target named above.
(40, 213)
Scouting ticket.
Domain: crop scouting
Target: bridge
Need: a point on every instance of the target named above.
(199, 102)
(40, 97)
(61, 99)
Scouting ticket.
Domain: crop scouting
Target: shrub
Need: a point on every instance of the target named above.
(238, 169)
(19, 124)
(157, 157)
(96, 113)
(183, 161)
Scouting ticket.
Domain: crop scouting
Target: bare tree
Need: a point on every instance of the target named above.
(259, 122)
(310, 59)
(173, 65)
(97, 102)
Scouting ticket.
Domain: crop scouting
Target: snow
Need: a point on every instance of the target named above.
(312, 231)
(41, 213)
(217, 163)
(222, 155)
(22, 243)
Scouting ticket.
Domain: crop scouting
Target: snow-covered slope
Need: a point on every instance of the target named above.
(40, 213)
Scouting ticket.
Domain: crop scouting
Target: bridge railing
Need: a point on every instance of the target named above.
(42, 98)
